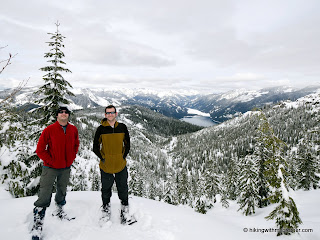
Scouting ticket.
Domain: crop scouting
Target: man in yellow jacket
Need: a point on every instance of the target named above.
(112, 144)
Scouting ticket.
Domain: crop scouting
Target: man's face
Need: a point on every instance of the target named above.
(111, 114)
(63, 115)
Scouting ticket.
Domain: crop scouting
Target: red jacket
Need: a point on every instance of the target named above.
(57, 149)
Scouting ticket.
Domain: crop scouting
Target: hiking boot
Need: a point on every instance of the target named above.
(105, 214)
(38, 218)
(125, 216)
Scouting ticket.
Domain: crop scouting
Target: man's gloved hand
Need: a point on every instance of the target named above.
(103, 160)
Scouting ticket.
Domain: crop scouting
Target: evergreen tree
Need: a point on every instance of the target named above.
(292, 169)
(78, 179)
(286, 213)
(53, 93)
(263, 189)
(50, 96)
(264, 150)
(169, 195)
(9, 115)
(183, 192)
(194, 181)
(224, 191)
(136, 181)
(211, 183)
(232, 179)
(94, 178)
(152, 191)
(204, 199)
(248, 185)
(307, 167)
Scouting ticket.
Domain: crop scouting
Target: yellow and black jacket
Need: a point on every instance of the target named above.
(112, 145)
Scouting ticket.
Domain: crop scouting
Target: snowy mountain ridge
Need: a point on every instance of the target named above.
(175, 104)
(241, 95)
(313, 100)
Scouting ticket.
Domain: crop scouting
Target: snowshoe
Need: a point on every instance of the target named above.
(125, 217)
(61, 214)
(38, 217)
(106, 215)
(35, 237)
(36, 232)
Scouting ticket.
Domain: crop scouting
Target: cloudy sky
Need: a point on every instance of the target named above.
(205, 45)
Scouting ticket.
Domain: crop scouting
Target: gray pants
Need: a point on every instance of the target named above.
(48, 177)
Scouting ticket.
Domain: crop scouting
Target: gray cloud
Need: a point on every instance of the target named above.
(104, 48)
(196, 44)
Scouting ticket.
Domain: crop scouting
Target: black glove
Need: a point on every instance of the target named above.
(103, 160)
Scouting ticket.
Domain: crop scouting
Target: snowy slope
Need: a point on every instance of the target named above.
(156, 220)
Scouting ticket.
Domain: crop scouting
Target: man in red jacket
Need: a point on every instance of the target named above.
(57, 147)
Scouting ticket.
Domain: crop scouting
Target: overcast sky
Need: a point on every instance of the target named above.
(210, 45)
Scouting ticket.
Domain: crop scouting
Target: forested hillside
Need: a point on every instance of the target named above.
(173, 161)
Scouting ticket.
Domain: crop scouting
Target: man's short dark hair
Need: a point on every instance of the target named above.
(110, 106)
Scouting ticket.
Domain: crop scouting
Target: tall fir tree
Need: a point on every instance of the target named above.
(136, 181)
(224, 190)
(52, 94)
(26, 167)
(201, 202)
(232, 178)
(55, 90)
(169, 195)
(248, 186)
(183, 187)
(262, 180)
(94, 178)
(262, 154)
(285, 213)
(307, 167)
(211, 183)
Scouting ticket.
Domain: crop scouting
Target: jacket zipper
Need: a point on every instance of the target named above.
(65, 146)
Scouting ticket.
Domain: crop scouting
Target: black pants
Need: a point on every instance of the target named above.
(121, 179)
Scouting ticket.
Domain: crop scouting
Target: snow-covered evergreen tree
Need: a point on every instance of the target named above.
(264, 151)
(152, 191)
(169, 195)
(78, 180)
(224, 194)
(204, 199)
(307, 167)
(9, 115)
(231, 179)
(22, 172)
(55, 90)
(94, 178)
(183, 187)
(248, 190)
(136, 181)
(286, 213)
(210, 180)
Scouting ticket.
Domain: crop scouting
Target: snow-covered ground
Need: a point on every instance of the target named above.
(156, 220)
